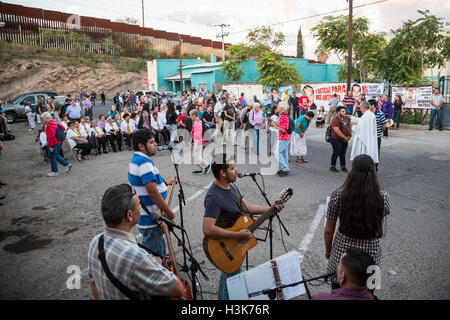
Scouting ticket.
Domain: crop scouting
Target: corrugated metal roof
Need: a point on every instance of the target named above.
(187, 75)
(202, 65)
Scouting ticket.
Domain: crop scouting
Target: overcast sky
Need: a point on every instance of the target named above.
(197, 17)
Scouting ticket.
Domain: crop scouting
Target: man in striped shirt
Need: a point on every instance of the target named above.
(349, 102)
(151, 189)
(381, 125)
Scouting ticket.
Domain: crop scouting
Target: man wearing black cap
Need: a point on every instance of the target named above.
(218, 110)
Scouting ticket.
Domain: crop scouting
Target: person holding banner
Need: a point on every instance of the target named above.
(436, 109)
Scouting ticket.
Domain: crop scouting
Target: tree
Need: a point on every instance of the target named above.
(231, 69)
(332, 34)
(127, 20)
(275, 72)
(300, 53)
(262, 43)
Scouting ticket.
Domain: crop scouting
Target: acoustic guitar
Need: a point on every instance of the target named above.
(228, 254)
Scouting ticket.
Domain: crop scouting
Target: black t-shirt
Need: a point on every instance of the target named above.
(397, 106)
(208, 116)
(230, 111)
(222, 204)
(41, 108)
(294, 102)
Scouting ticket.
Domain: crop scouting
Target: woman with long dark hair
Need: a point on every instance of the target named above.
(398, 111)
(361, 207)
(171, 122)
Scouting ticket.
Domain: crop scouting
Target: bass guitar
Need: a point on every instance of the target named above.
(228, 254)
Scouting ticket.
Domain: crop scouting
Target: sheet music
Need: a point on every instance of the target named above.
(290, 272)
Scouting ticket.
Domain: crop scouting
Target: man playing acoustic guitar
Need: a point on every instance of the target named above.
(223, 203)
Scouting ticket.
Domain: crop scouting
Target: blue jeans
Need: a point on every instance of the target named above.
(303, 111)
(222, 293)
(256, 140)
(296, 112)
(55, 157)
(283, 151)
(396, 117)
(349, 110)
(438, 114)
(154, 240)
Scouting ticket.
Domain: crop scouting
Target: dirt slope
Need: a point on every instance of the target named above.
(21, 76)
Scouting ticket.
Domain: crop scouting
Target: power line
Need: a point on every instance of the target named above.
(312, 16)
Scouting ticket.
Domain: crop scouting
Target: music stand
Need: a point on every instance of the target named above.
(272, 292)
(269, 229)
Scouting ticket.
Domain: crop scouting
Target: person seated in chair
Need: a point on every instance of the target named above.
(158, 126)
(76, 140)
(97, 133)
(127, 127)
(352, 273)
(113, 134)
(84, 127)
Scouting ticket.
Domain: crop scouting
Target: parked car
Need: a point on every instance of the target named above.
(15, 107)
(139, 93)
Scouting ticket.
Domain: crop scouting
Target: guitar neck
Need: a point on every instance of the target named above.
(255, 225)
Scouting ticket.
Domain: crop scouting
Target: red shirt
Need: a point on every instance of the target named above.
(182, 119)
(52, 125)
(283, 123)
(303, 102)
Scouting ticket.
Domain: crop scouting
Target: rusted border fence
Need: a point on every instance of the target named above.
(25, 25)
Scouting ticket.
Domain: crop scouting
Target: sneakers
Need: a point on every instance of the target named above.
(207, 169)
(68, 167)
(52, 174)
(344, 169)
(333, 169)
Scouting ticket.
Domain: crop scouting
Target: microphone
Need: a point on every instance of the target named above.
(247, 174)
(155, 216)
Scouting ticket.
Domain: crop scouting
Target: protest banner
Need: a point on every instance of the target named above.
(414, 97)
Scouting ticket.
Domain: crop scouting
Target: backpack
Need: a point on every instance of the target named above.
(60, 135)
(328, 134)
(291, 125)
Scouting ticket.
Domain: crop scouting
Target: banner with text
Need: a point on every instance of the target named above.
(414, 97)
(320, 94)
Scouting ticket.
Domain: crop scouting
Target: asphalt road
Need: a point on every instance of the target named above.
(47, 224)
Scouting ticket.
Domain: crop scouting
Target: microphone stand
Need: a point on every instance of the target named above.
(195, 266)
(272, 292)
(270, 218)
(181, 201)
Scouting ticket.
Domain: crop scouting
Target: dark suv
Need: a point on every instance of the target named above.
(15, 107)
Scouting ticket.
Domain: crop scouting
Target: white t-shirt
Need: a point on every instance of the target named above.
(64, 124)
(98, 133)
(27, 109)
(71, 133)
(274, 118)
(109, 127)
(124, 128)
(43, 139)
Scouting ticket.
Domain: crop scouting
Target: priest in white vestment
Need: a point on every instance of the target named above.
(365, 134)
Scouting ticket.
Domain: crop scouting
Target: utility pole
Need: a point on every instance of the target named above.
(350, 33)
(180, 42)
(142, 13)
(223, 35)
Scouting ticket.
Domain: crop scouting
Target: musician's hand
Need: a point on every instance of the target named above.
(172, 181)
(244, 235)
(170, 215)
(278, 206)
